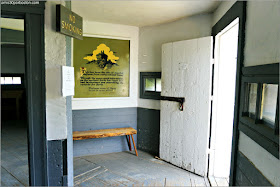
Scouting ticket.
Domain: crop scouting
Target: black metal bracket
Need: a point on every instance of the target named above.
(180, 100)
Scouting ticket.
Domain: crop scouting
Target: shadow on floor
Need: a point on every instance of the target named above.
(125, 169)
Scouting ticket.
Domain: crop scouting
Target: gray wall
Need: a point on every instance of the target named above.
(148, 125)
(103, 119)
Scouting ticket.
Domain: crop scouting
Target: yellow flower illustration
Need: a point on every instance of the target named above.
(103, 56)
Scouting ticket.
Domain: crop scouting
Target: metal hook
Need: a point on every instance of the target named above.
(181, 101)
(181, 106)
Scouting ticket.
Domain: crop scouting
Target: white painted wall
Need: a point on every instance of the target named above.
(262, 44)
(107, 30)
(55, 58)
(261, 36)
(151, 39)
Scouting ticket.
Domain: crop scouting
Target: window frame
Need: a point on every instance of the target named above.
(259, 130)
(149, 94)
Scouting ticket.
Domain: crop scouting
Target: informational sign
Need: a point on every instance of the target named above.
(101, 67)
(68, 82)
(68, 22)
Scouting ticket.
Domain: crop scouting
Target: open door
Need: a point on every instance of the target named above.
(186, 72)
(222, 117)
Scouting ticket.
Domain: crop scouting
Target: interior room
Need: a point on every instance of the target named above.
(155, 31)
(140, 93)
(105, 158)
(14, 150)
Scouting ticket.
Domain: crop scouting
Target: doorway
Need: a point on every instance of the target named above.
(231, 24)
(226, 42)
(32, 82)
(190, 151)
(14, 125)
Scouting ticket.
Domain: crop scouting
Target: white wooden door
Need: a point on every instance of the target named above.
(186, 73)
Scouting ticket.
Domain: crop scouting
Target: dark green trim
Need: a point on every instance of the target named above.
(260, 128)
(261, 139)
(57, 162)
(261, 79)
(35, 67)
(10, 45)
(65, 163)
(248, 174)
(237, 10)
(268, 70)
(148, 130)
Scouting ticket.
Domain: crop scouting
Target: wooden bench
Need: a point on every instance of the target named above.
(103, 133)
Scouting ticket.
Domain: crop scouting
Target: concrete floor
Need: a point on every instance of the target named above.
(14, 154)
(125, 169)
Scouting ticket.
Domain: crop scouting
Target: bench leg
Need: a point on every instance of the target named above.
(129, 143)
(134, 145)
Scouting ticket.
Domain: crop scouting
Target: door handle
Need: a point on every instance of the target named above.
(180, 100)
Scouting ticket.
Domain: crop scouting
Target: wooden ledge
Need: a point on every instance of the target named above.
(103, 133)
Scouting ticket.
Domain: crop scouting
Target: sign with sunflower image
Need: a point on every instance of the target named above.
(101, 67)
